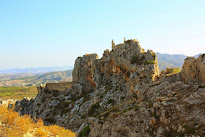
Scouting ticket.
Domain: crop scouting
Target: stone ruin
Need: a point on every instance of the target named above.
(59, 86)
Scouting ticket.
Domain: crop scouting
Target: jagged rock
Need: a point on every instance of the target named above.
(126, 63)
(120, 96)
(24, 106)
(82, 72)
(54, 103)
(193, 69)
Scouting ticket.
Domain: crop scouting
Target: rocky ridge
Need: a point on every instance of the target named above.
(121, 94)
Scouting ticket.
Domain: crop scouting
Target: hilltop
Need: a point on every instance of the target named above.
(123, 94)
(37, 70)
(34, 78)
(28, 79)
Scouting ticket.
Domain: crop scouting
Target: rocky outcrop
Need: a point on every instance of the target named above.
(82, 72)
(126, 63)
(164, 109)
(193, 69)
(121, 95)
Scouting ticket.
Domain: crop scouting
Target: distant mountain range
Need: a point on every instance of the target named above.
(35, 70)
(36, 76)
(171, 60)
(164, 60)
(49, 77)
(27, 79)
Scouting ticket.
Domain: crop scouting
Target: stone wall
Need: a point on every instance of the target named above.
(59, 86)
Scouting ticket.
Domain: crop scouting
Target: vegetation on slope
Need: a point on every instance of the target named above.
(49, 77)
(25, 80)
(17, 92)
(13, 125)
(170, 61)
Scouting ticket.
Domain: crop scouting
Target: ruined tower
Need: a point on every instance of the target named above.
(113, 44)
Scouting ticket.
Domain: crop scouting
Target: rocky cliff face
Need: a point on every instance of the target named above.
(126, 63)
(120, 95)
(194, 69)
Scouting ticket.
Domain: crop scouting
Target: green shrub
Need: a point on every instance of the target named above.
(149, 62)
(111, 101)
(93, 109)
(122, 98)
(130, 108)
(189, 130)
(201, 86)
(134, 59)
(173, 133)
(108, 113)
(85, 132)
(135, 96)
(150, 104)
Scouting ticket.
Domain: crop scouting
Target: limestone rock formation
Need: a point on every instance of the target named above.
(121, 95)
(82, 72)
(126, 63)
(193, 69)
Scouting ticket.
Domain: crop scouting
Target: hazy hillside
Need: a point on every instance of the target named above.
(50, 77)
(6, 77)
(196, 56)
(168, 60)
(35, 70)
(171, 60)
(31, 79)
(35, 76)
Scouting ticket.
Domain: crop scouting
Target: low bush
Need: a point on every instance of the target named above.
(130, 108)
(93, 109)
(111, 101)
(149, 62)
(134, 59)
(85, 132)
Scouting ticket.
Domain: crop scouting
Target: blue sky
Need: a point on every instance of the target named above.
(54, 33)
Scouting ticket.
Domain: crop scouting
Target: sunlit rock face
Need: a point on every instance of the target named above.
(193, 69)
(121, 95)
(82, 72)
(126, 63)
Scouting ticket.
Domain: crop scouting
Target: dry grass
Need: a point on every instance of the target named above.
(13, 125)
